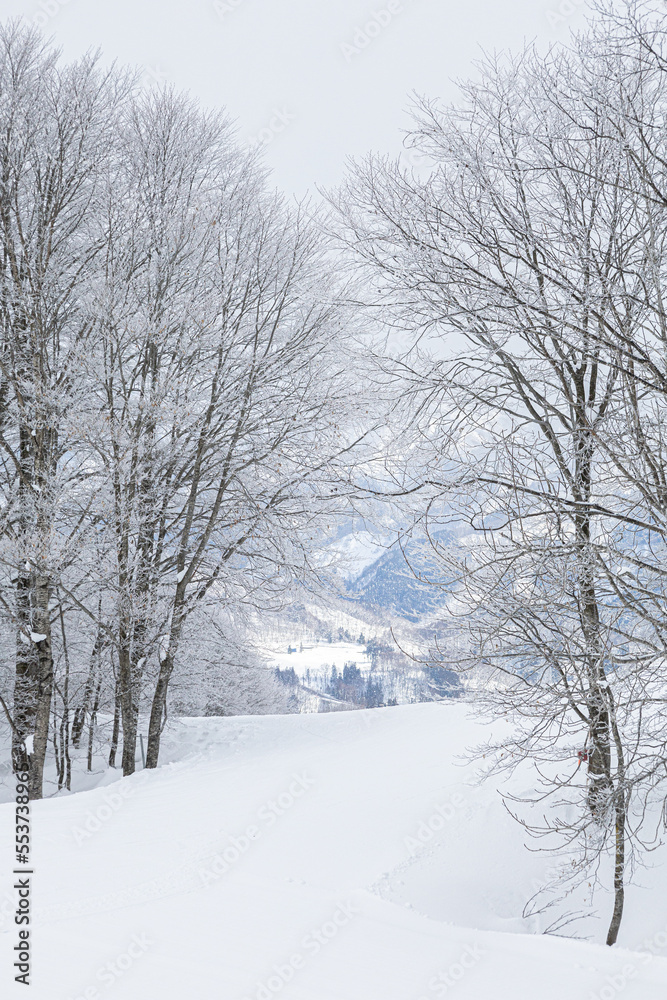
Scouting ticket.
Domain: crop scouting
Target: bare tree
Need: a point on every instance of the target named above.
(506, 263)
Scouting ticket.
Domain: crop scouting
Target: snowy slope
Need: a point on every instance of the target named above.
(280, 856)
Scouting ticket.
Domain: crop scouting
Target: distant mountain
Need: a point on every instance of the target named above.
(406, 582)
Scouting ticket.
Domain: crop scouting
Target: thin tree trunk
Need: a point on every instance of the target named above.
(93, 719)
(129, 709)
(116, 726)
(620, 810)
(81, 711)
(57, 738)
(64, 726)
(619, 871)
(64, 722)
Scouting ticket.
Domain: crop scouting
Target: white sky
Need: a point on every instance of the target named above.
(259, 57)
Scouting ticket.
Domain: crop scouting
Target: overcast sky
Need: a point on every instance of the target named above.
(313, 80)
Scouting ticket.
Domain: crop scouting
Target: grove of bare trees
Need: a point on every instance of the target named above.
(176, 399)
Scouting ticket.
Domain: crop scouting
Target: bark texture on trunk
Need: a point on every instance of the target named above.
(619, 873)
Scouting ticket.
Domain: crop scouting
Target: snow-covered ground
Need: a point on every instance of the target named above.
(315, 656)
(348, 856)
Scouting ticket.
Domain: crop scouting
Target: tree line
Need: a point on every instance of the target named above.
(175, 395)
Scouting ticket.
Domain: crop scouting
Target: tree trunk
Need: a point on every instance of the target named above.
(619, 871)
(81, 711)
(621, 810)
(25, 682)
(158, 707)
(599, 733)
(599, 760)
(33, 688)
(129, 710)
(64, 722)
(64, 742)
(57, 748)
(159, 704)
(116, 726)
(44, 687)
(91, 728)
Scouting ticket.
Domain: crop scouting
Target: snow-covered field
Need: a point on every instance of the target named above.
(348, 856)
(316, 656)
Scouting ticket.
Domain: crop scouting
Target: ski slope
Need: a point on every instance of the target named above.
(349, 856)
